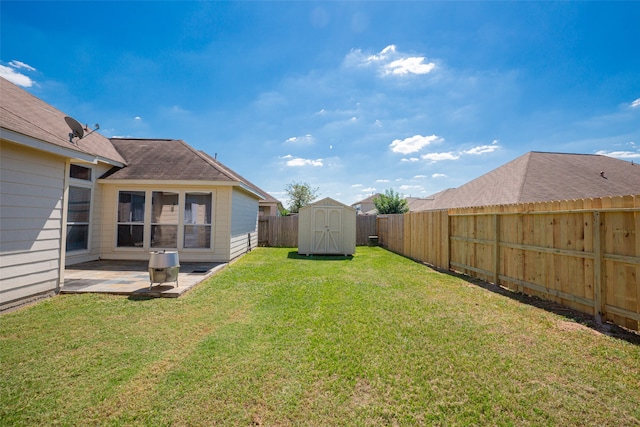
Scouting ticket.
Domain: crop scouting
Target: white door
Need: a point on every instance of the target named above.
(327, 230)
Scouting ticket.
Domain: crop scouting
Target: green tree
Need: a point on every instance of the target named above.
(390, 203)
(300, 194)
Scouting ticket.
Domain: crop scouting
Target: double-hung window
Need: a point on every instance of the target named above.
(78, 208)
(197, 220)
(164, 219)
(131, 206)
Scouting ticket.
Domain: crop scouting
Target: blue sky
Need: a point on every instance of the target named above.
(351, 97)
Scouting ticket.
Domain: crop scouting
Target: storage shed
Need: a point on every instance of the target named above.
(327, 227)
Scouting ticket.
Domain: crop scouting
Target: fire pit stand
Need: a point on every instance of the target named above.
(164, 266)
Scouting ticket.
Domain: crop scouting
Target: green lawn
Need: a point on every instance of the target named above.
(278, 339)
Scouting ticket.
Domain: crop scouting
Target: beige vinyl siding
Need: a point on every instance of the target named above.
(31, 194)
(219, 251)
(222, 224)
(244, 223)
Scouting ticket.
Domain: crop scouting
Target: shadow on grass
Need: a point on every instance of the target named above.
(605, 328)
(296, 255)
(139, 297)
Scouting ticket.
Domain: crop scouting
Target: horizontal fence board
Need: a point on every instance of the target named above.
(584, 254)
(282, 231)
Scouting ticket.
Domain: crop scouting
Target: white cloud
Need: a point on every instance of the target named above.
(435, 157)
(137, 118)
(620, 154)
(412, 144)
(438, 175)
(636, 103)
(420, 176)
(20, 64)
(15, 77)
(369, 190)
(411, 65)
(409, 187)
(482, 149)
(304, 162)
(356, 185)
(410, 159)
(305, 139)
(391, 62)
(382, 180)
(384, 53)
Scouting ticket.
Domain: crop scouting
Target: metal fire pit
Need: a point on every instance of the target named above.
(164, 266)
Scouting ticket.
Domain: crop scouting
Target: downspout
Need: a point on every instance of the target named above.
(63, 228)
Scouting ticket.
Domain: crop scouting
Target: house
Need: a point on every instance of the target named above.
(541, 177)
(66, 200)
(270, 206)
(366, 206)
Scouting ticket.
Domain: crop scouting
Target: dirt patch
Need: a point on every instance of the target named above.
(569, 326)
(576, 320)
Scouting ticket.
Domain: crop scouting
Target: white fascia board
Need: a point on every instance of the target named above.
(37, 144)
(166, 183)
(177, 183)
(248, 189)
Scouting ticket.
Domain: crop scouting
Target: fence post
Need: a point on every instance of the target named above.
(496, 249)
(448, 241)
(598, 255)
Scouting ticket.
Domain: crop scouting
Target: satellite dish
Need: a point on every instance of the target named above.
(77, 131)
(76, 128)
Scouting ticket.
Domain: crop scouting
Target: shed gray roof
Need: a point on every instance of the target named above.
(542, 177)
(23, 113)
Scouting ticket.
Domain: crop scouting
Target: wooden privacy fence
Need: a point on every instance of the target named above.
(584, 254)
(278, 231)
(282, 231)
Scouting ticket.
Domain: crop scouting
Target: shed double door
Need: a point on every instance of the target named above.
(327, 230)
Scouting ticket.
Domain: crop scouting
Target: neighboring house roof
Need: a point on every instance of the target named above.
(542, 177)
(171, 160)
(268, 198)
(367, 200)
(24, 115)
(366, 206)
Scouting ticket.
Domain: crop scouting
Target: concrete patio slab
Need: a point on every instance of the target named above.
(132, 278)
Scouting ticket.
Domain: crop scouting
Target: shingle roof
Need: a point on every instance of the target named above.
(267, 197)
(367, 200)
(543, 177)
(25, 114)
(170, 160)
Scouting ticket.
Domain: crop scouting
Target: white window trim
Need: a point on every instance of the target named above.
(177, 224)
(83, 183)
(146, 243)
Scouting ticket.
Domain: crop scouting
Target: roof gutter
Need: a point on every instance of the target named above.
(37, 144)
(251, 190)
(178, 183)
